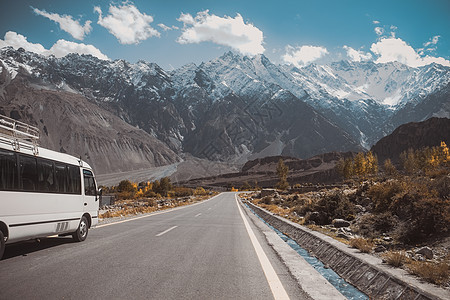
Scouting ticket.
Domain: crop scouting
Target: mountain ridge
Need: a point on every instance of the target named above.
(236, 108)
(413, 135)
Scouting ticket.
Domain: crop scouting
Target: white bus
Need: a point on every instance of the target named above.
(42, 192)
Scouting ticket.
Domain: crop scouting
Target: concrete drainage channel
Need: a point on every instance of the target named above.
(349, 291)
(366, 272)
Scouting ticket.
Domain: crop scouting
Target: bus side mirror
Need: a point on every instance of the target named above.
(98, 194)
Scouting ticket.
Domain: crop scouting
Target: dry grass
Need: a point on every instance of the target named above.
(434, 272)
(128, 209)
(362, 244)
(275, 209)
(396, 258)
(296, 219)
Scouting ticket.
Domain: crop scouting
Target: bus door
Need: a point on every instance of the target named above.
(91, 199)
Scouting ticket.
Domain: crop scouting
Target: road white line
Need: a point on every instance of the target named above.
(166, 231)
(154, 213)
(276, 287)
(198, 215)
(209, 208)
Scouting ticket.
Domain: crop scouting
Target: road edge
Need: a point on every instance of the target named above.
(155, 213)
(309, 279)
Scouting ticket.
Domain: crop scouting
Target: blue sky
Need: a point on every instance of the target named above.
(173, 33)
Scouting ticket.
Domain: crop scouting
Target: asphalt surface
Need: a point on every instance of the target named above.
(198, 252)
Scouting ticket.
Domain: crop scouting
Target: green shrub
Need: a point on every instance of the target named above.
(126, 186)
(182, 192)
(125, 195)
(442, 186)
(417, 205)
(336, 206)
(373, 225)
(382, 194)
(199, 191)
(150, 194)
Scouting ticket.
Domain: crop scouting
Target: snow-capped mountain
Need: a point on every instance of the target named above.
(359, 97)
(238, 107)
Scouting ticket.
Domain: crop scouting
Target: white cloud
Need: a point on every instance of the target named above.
(375, 22)
(166, 28)
(393, 29)
(63, 47)
(60, 49)
(302, 56)
(186, 19)
(67, 23)
(227, 31)
(429, 46)
(395, 49)
(127, 23)
(357, 55)
(19, 41)
(379, 30)
(433, 41)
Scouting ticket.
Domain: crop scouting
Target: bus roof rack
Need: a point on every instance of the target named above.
(14, 132)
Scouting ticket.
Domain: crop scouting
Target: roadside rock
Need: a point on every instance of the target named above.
(419, 257)
(338, 223)
(318, 217)
(343, 236)
(366, 202)
(360, 208)
(426, 252)
(380, 248)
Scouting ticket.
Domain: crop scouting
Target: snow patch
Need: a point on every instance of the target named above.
(340, 94)
(393, 100)
(363, 88)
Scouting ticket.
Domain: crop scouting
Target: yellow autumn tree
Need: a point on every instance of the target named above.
(371, 162)
(445, 153)
(409, 161)
(389, 168)
(359, 165)
(282, 171)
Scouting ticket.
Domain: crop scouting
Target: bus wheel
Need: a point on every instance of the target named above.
(2, 244)
(82, 231)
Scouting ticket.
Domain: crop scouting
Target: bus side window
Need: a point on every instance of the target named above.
(61, 178)
(89, 183)
(28, 173)
(74, 180)
(8, 171)
(46, 180)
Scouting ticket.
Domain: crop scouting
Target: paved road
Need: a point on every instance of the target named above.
(198, 252)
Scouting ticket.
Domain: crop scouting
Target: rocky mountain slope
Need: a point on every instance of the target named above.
(235, 108)
(414, 135)
(69, 123)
